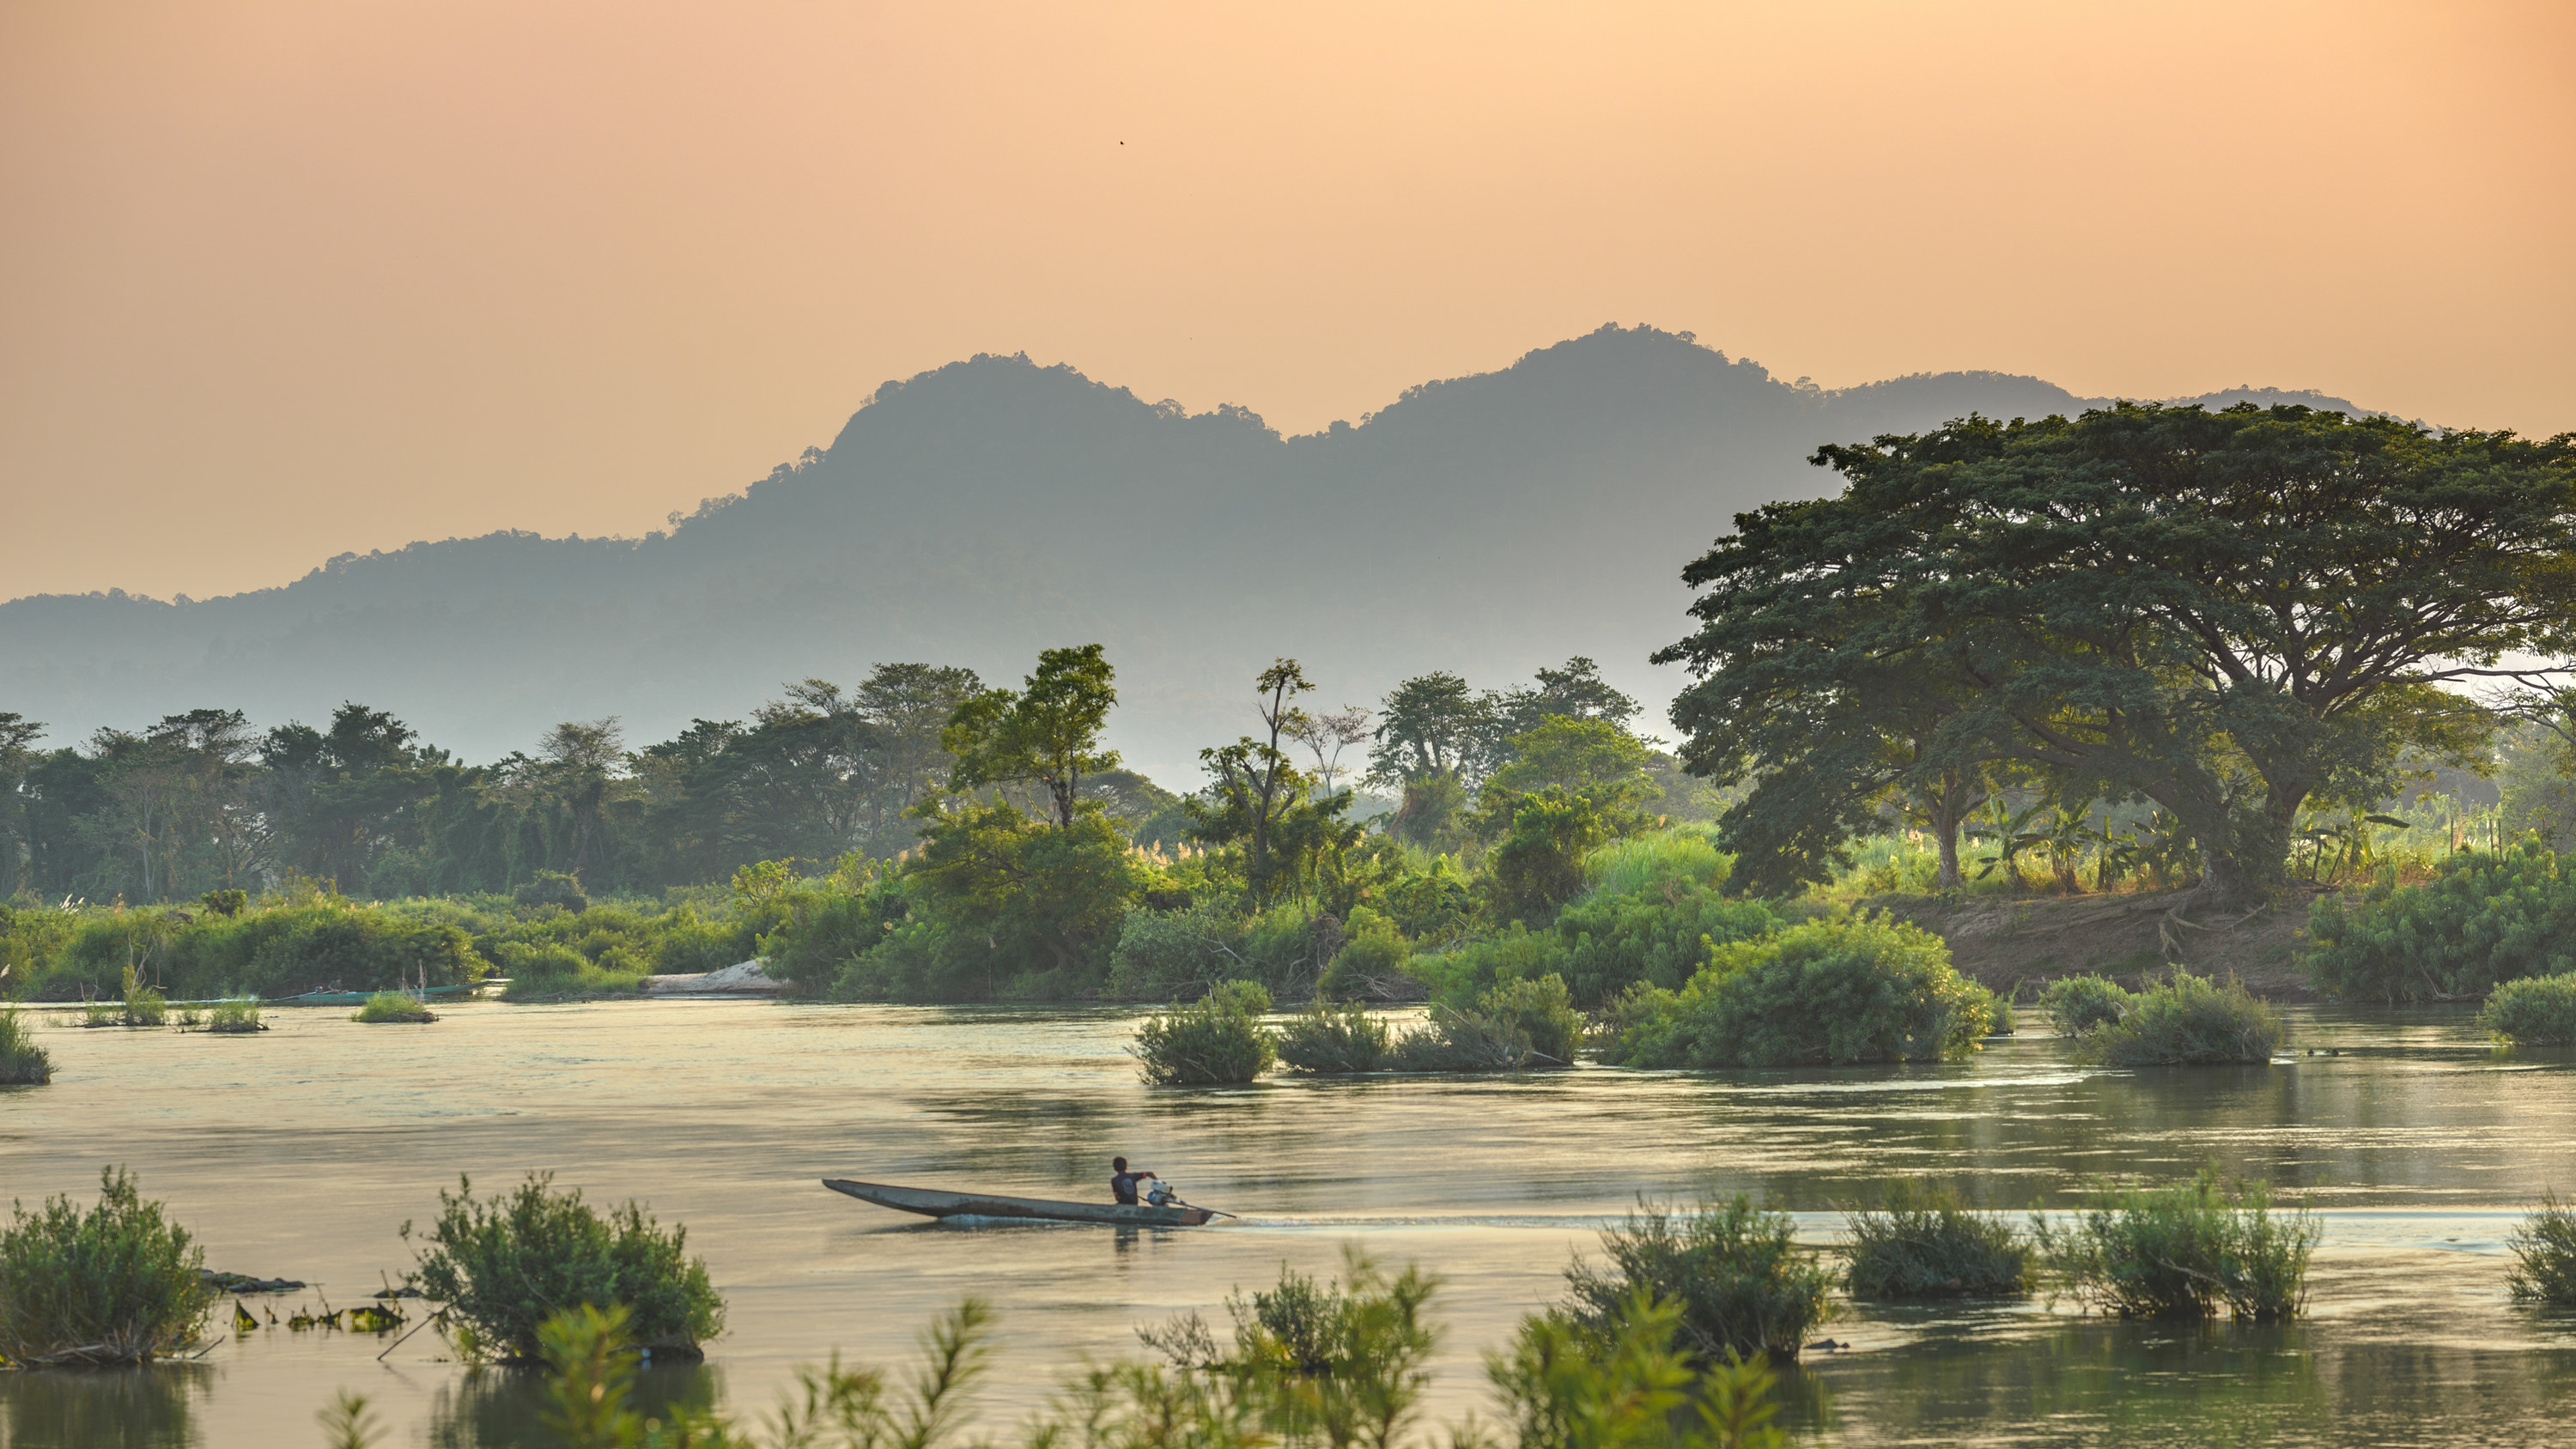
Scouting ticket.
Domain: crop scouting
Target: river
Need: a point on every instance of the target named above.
(301, 1151)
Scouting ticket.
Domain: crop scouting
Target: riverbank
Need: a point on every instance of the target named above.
(2024, 942)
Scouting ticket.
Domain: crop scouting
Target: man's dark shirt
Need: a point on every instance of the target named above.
(1122, 1186)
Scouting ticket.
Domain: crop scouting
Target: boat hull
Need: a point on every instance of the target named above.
(935, 1204)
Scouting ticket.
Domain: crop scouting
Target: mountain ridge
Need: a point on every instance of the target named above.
(977, 512)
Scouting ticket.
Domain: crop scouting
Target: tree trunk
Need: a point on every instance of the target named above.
(1945, 829)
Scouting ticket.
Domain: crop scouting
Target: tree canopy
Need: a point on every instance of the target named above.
(2225, 613)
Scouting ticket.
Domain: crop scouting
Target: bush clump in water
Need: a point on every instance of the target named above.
(2077, 1004)
(2186, 1021)
(1921, 1241)
(1733, 1269)
(238, 1014)
(2544, 1253)
(1217, 1040)
(2535, 1011)
(2184, 1251)
(1329, 1040)
(1843, 989)
(393, 1006)
(503, 1264)
(22, 1062)
(1514, 1026)
(116, 1284)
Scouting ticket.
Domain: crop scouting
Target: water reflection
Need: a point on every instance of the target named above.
(146, 1408)
(499, 1408)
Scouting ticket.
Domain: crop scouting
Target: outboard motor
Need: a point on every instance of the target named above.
(1161, 1194)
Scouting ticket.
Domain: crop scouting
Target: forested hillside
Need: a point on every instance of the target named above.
(974, 514)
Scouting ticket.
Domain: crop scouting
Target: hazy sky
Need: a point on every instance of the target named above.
(280, 280)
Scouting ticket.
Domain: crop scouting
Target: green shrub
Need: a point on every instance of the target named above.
(2544, 1253)
(2484, 919)
(393, 1006)
(1214, 1041)
(2186, 1021)
(1327, 1040)
(1371, 963)
(504, 1265)
(1313, 1354)
(1921, 1241)
(554, 973)
(1734, 1270)
(234, 1015)
(2534, 1011)
(22, 1062)
(1514, 1026)
(116, 1284)
(2077, 1004)
(1840, 989)
(825, 931)
(1608, 941)
(553, 888)
(1629, 1384)
(2183, 1251)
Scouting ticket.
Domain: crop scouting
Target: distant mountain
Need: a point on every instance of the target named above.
(976, 513)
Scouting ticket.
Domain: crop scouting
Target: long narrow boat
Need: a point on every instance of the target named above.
(935, 1204)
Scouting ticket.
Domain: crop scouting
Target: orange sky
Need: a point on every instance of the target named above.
(279, 280)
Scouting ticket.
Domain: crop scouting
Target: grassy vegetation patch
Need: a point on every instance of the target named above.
(2184, 1251)
(22, 1062)
(2544, 1255)
(1331, 1040)
(393, 1006)
(1734, 1271)
(1920, 1241)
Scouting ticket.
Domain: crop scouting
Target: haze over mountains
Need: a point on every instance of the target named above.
(977, 513)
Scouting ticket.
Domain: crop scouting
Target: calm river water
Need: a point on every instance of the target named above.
(299, 1152)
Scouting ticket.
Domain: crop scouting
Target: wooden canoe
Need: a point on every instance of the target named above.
(931, 1203)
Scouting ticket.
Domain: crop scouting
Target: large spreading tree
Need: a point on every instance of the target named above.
(2230, 614)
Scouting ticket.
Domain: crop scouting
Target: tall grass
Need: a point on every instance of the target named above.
(1636, 864)
(2544, 1253)
(2184, 1251)
(22, 1062)
(115, 1284)
(234, 1014)
(1921, 1241)
(2186, 1021)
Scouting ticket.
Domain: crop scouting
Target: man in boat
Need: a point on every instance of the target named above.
(1122, 1183)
